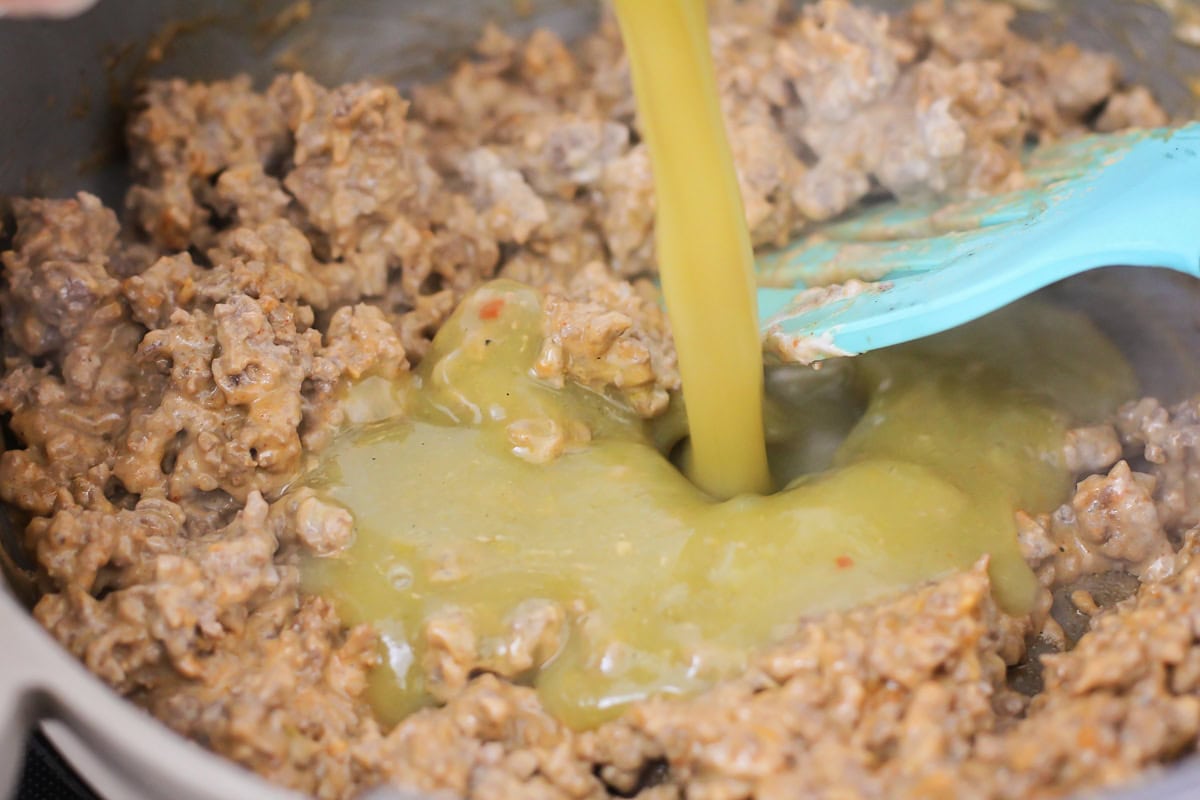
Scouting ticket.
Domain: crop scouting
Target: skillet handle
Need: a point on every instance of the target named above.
(17, 715)
(22, 699)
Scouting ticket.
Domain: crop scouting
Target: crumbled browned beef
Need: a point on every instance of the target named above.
(185, 135)
(71, 376)
(602, 332)
(1169, 441)
(1125, 698)
(1111, 523)
(166, 382)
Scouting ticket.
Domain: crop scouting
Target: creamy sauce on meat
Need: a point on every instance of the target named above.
(604, 576)
(168, 375)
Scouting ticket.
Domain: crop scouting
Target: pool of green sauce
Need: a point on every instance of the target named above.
(894, 468)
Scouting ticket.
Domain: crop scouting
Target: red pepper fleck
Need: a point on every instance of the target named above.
(492, 308)
(844, 562)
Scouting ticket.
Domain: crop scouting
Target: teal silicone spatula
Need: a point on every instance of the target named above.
(1129, 199)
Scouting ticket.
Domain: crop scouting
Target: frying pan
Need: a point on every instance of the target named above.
(63, 88)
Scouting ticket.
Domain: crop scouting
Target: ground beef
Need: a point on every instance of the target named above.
(454, 653)
(183, 136)
(1169, 441)
(72, 375)
(1123, 699)
(526, 158)
(602, 332)
(1111, 523)
(167, 379)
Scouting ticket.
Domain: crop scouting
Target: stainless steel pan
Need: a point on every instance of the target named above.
(62, 86)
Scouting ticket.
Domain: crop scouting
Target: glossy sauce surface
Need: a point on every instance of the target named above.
(899, 466)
